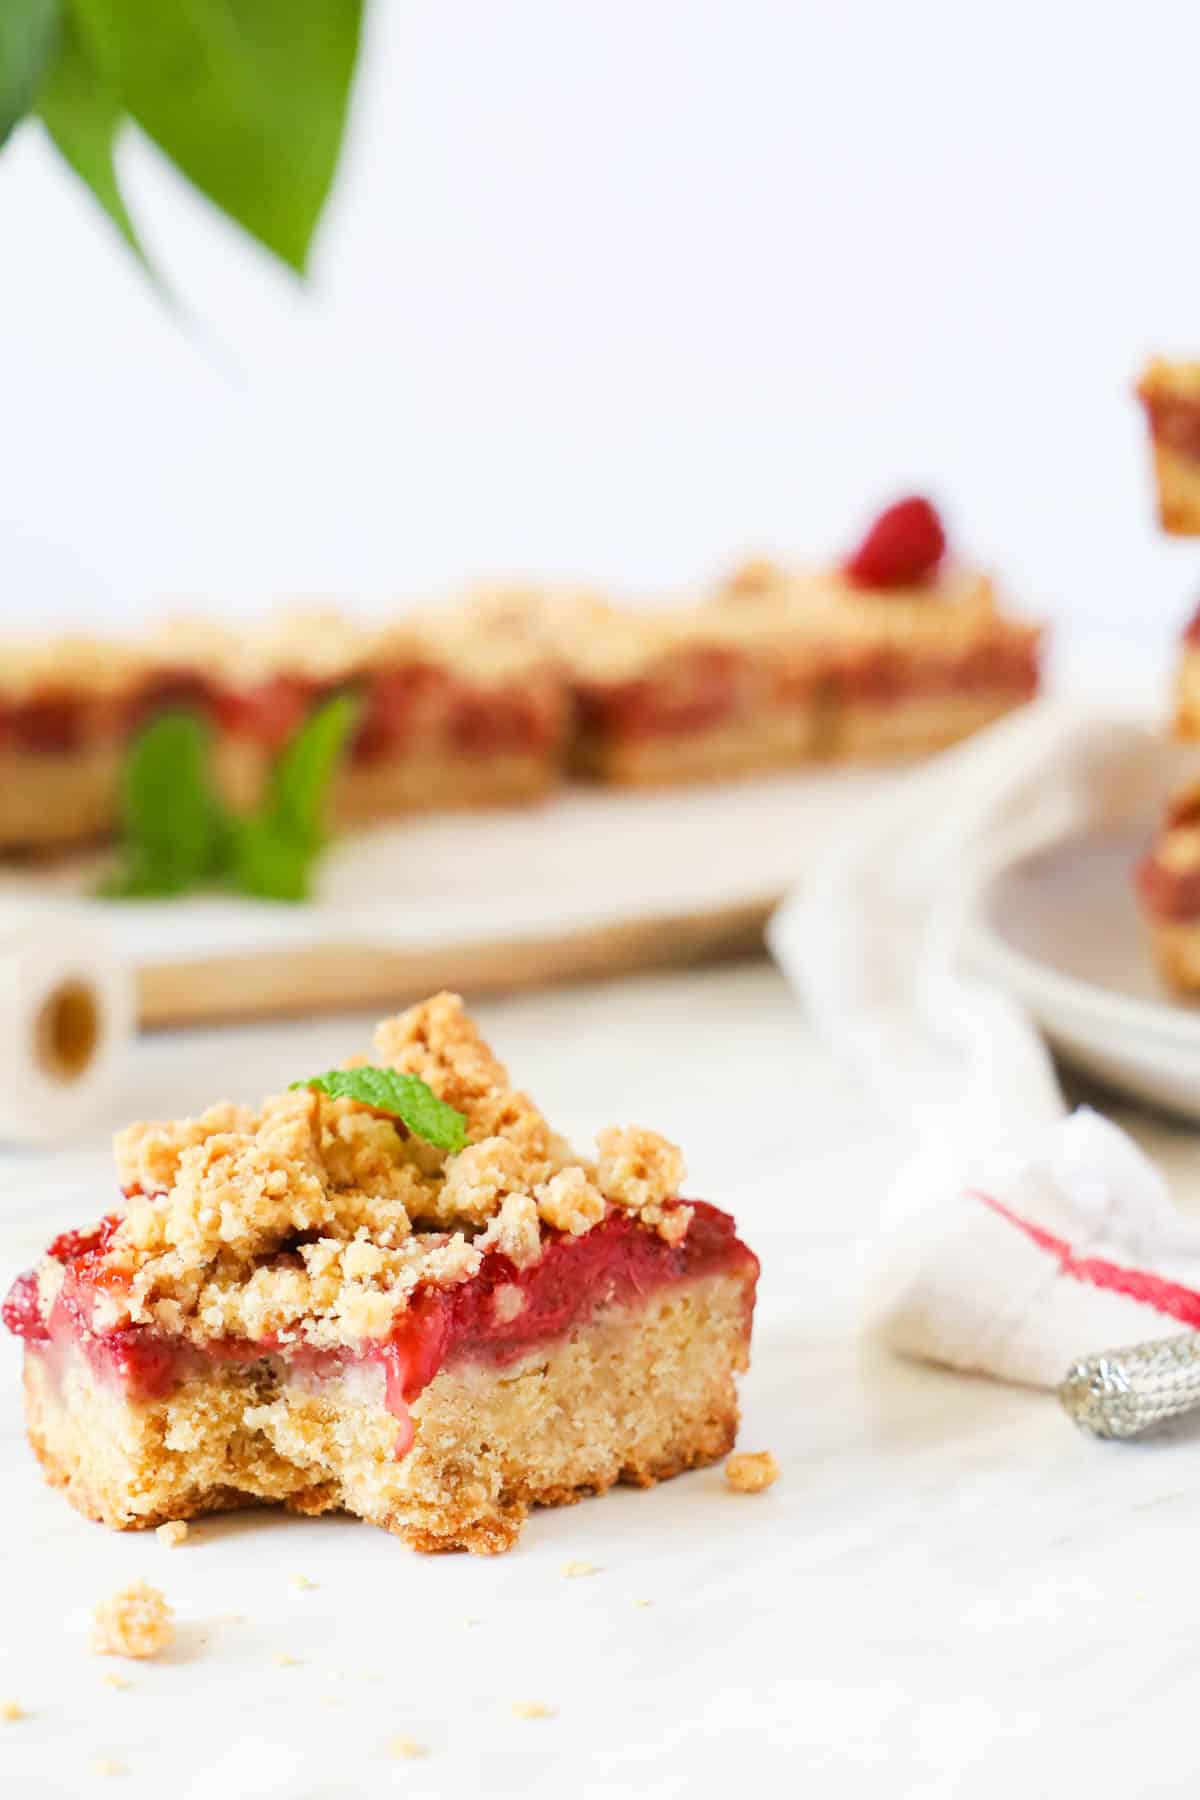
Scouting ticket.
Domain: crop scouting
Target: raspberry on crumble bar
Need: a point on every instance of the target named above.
(312, 1303)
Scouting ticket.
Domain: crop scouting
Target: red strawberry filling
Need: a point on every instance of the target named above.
(1174, 422)
(414, 703)
(618, 1263)
(1172, 895)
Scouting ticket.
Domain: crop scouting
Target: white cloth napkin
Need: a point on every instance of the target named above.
(1019, 1238)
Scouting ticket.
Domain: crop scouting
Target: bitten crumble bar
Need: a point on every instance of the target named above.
(311, 1304)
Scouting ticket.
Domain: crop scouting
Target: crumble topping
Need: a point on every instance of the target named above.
(312, 1220)
(135, 1622)
(751, 1471)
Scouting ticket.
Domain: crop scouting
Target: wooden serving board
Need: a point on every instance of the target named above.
(593, 884)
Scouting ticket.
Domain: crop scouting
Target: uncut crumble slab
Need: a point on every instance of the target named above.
(306, 1304)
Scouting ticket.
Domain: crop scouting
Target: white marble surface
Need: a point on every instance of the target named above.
(948, 1592)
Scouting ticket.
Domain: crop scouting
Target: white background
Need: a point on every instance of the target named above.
(619, 290)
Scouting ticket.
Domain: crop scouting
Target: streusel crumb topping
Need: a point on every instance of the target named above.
(135, 1622)
(312, 1220)
(751, 1471)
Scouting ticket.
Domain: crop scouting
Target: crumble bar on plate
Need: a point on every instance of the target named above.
(461, 707)
(891, 652)
(1168, 883)
(313, 1304)
(1170, 393)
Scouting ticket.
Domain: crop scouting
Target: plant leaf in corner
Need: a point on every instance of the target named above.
(28, 33)
(249, 100)
(84, 118)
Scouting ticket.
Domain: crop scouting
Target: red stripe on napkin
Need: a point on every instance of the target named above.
(1137, 1284)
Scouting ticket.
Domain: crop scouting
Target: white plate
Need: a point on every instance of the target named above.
(1061, 931)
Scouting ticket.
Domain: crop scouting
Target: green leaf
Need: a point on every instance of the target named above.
(28, 32)
(295, 805)
(406, 1097)
(268, 865)
(84, 117)
(273, 852)
(174, 829)
(247, 97)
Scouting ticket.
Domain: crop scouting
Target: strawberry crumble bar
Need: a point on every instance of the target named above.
(1168, 883)
(891, 652)
(460, 707)
(1170, 394)
(313, 1304)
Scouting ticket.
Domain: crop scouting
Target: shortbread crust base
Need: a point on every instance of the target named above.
(633, 1396)
(53, 798)
(849, 731)
(765, 740)
(1175, 946)
(64, 798)
(1178, 484)
(919, 726)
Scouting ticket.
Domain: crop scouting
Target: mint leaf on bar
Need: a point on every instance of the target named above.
(405, 1097)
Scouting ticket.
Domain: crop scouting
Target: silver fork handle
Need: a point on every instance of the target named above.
(1121, 1393)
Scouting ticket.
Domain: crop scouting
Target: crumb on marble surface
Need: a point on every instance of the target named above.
(136, 1621)
(173, 1533)
(108, 1765)
(532, 1709)
(570, 1569)
(12, 1710)
(751, 1471)
(406, 1748)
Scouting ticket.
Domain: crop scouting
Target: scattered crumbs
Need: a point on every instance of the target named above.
(11, 1710)
(643, 1603)
(532, 1709)
(371, 1675)
(580, 1568)
(172, 1533)
(108, 1765)
(135, 1622)
(751, 1471)
(117, 1681)
(302, 1581)
(470, 1621)
(283, 1659)
(332, 1700)
(234, 1619)
(406, 1748)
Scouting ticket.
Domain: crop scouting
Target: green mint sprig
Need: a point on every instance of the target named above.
(178, 835)
(406, 1097)
(249, 101)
